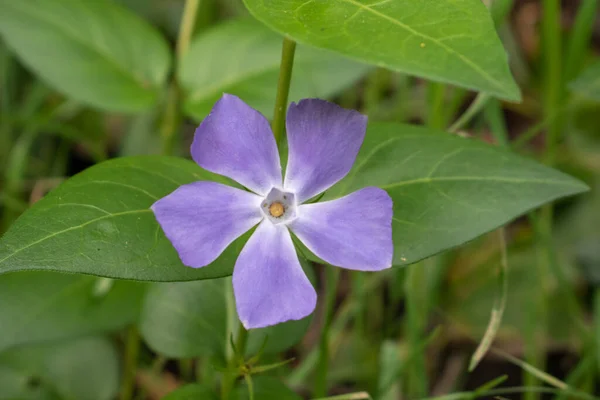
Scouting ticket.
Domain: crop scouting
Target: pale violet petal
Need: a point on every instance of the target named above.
(202, 218)
(353, 232)
(235, 140)
(323, 140)
(269, 284)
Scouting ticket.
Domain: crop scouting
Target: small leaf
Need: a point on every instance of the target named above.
(42, 306)
(84, 369)
(588, 83)
(448, 190)
(450, 41)
(250, 68)
(192, 392)
(99, 222)
(94, 51)
(265, 388)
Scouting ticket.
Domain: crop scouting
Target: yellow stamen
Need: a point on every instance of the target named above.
(276, 209)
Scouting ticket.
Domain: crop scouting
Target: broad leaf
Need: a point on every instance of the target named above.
(85, 369)
(192, 392)
(588, 83)
(185, 319)
(94, 51)
(450, 41)
(99, 222)
(189, 319)
(41, 306)
(446, 189)
(249, 68)
(265, 388)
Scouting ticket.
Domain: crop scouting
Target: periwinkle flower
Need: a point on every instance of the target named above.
(202, 218)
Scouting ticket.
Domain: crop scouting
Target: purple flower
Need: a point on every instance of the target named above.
(202, 218)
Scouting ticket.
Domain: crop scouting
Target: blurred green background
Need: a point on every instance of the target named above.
(406, 333)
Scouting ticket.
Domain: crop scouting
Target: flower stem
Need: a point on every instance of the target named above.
(188, 20)
(240, 349)
(241, 340)
(171, 119)
(132, 347)
(283, 86)
(331, 281)
(172, 114)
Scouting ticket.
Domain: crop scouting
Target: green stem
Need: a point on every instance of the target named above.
(331, 281)
(358, 292)
(171, 119)
(283, 86)
(435, 112)
(132, 348)
(188, 20)
(232, 372)
(6, 80)
(477, 104)
(579, 41)
(552, 74)
(241, 340)
(172, 114)
(377, 82)
(416, 310)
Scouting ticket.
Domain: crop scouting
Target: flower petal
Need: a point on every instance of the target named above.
(269, 284)
(202, 218)
(235, 140)
(323, 140)
(353, 232)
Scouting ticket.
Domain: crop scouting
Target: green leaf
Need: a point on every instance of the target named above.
(249, 68)
(189, 319)
(42, 306)
(192, 392)
(588, 83)
(185, 319)
(85, 369)
(450, 41)
(265, 388)
(94, 51)
(448, 190)
(99, 222)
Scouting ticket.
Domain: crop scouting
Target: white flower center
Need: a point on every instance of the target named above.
(279, 206)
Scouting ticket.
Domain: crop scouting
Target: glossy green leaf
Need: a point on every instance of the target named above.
(450, 41)
(265, 388)
(189, 319)
(588, 83)
(99, 222)
(93, 51)
(191, 392)
(41, 306)
(446, 189)
(84, 369)
(249, 68)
